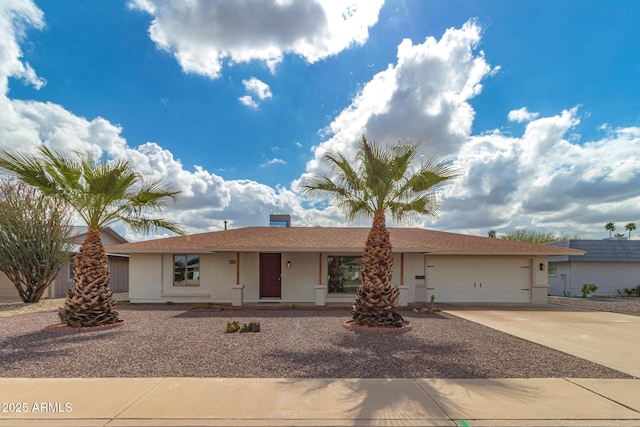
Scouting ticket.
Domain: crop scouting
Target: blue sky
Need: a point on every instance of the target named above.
(537, 102)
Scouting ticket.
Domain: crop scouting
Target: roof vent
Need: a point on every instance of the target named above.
(279, 220)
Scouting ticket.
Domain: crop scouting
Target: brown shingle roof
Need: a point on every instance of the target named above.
(323, 239)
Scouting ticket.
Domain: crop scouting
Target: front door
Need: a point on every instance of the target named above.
(270, 275)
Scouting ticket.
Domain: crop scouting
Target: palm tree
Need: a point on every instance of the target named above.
(610, 227)
(101, 193)
(383, 180)
(630, 227)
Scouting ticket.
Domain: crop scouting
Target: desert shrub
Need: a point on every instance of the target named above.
(588, 289)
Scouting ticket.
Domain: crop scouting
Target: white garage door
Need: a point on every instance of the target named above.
(478, 279)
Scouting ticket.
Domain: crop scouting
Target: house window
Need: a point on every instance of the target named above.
(343, 274)
(552, 269)
(186, 270)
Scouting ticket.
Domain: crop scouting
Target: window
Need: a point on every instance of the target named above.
(552, 270)
(344, 274)
(186, 270)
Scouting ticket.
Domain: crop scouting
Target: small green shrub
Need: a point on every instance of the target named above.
(630, 292)
(588, 289)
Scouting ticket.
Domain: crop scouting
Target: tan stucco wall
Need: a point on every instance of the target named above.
(298, 283)
(540, 280)
(145, 277)
(250, 275)
(151, 277)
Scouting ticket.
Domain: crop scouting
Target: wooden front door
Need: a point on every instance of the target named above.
(270, 275)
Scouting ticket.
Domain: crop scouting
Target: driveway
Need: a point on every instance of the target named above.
(609, 339)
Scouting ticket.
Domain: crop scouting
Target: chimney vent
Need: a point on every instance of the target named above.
(279, 220)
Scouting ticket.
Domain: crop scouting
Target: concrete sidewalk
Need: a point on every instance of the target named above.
(609, 339)
(318, 402)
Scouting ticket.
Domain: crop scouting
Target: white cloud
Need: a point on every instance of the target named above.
(421, 98)
(203, 35)
(16, 17)
(272, 162)
(256, 87)
(522, 115)
(206, 200)
(545, 181)
(544, 178)
(248, 101)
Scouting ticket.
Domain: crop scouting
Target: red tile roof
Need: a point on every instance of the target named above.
(323, 239)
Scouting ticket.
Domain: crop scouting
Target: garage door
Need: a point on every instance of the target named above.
(478, 279)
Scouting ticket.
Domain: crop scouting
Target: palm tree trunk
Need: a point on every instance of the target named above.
(90, 302)
(376, 298)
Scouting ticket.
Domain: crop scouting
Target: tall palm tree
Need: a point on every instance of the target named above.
(384, 180)
(630, 227)
(101, 193)
(610, 227)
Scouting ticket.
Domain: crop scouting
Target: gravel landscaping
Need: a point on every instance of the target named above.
(180, 341)
(616, 305)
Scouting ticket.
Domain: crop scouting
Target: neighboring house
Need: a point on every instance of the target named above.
(321, 265)
(118, 264)
(610, 264)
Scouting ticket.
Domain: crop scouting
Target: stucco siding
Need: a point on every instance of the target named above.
(539, 280)
(298, 282)
(218, 275)
(504, 278)
(145, 277)
(413, 266)
(250, 275)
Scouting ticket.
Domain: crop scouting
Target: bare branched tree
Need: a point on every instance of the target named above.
(34, 230)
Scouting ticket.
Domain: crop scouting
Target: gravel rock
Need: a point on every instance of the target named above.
(616, 305)
(178, 341)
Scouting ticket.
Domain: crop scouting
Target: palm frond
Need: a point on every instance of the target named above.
(101, 193)
(382, 178)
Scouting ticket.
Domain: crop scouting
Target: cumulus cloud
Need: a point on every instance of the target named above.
(16, 17)
(203, 35)
(521, 115)
(423, 98)
(544, 180)
(248, 101)
(257, 88)
(207, 200)
(274, 161)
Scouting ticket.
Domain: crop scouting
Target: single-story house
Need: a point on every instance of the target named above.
(321, 265)
(610, 264)
(118, 265)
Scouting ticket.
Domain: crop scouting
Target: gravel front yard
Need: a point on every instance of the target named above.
(176, 341)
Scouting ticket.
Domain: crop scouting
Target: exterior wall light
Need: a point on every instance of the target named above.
(288, 265)
(541, 266)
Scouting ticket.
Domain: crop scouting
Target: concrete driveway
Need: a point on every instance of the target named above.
(609, 339)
